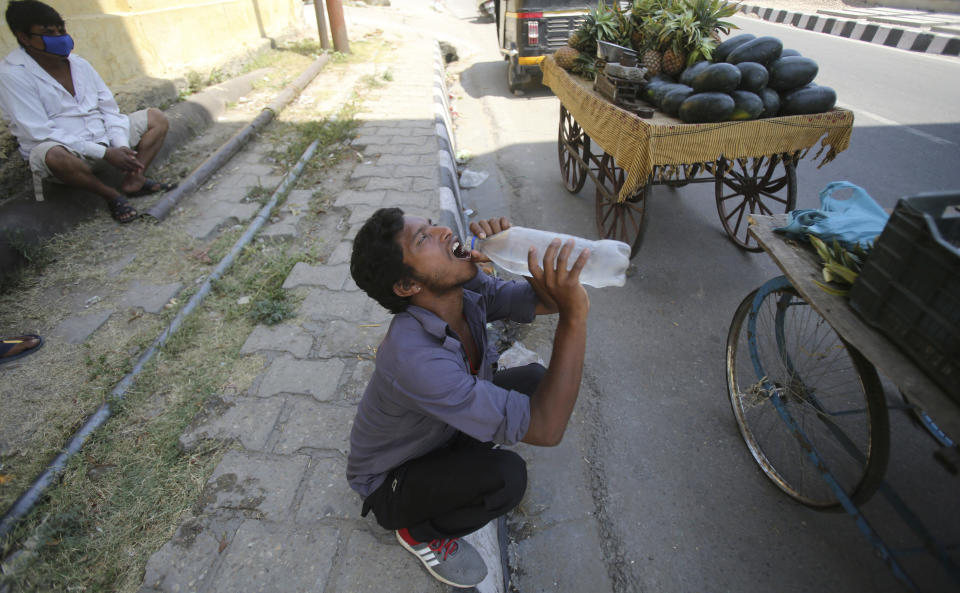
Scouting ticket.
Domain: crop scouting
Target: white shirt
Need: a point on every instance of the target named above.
(39, 109)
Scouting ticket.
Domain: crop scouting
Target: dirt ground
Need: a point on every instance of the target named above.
(46, 397)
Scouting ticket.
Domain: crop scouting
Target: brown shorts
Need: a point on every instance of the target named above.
(38, 156)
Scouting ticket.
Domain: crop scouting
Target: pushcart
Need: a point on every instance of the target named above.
(802, 380)
(752, 164)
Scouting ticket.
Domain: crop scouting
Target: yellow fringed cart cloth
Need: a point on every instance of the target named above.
(638, 145)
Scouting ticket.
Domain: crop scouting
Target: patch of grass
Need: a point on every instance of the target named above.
(36, 253)
(304, 47)
(258, 194)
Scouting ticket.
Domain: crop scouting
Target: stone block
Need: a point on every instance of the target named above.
(303, 274)
(282, 337)
(352, 389)
(326, 493)
(404, 199)
(328, 304)
(360, 214)
(423, 184)
(248, 420)
(250, 481)
(265, 558)
(299, 198)
(149, 297)
(316, 378)
(389, 160)
(395, 183)
(394, 566)
(208, 217)
(343, 338)
(381, 149)
(184, 563)
(78, 328)
(363, 171)
(341, 253)
(351, 197)
(416, 171)
(313, 425)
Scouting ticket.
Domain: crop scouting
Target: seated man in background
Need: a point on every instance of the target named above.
(66, 119)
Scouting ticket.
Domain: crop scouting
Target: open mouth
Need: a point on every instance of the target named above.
(458, 250)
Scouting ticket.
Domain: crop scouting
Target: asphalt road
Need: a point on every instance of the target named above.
(687, 507)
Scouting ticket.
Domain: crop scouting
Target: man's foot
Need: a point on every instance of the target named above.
(121, 210)
(16, 347)
(451, 561)
(150, 186)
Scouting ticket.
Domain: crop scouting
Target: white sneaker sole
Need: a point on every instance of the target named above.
(429, 568)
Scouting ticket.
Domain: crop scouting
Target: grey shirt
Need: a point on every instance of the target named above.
(422, 391)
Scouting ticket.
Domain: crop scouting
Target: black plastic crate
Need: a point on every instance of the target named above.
(909, 287)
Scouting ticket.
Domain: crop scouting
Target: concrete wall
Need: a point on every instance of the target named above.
(130, 39)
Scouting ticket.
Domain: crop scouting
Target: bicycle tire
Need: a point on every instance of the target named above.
(857, 461)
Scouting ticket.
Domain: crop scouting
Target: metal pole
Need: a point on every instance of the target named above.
(321, 24)
(337, 27)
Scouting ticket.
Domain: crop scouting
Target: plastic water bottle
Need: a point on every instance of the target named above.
(607, 265)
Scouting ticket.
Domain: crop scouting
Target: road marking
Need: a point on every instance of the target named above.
(912, 130)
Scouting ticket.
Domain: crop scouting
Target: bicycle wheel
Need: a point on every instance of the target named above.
(781, 352)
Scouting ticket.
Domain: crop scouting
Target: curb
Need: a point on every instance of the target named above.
(897, 37)
(451, 204)
(490, 541)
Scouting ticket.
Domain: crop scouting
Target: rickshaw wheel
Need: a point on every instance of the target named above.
(763, 185)
(623, 221)
(512, 82)
(572, 141)
(779, 346)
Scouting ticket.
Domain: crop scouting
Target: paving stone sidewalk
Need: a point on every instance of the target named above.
(277, 513)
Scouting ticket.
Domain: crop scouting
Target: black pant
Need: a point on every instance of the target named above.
(461, 486)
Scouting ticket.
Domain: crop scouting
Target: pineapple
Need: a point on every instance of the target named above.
(565, 57)
(652, 61)
(585, 65)
(708, 14)
(674, 61)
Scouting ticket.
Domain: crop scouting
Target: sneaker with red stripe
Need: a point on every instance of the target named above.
(451, 561)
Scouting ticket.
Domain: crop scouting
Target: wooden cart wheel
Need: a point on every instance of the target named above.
(764, 185)
(571, 142)
(623, 221)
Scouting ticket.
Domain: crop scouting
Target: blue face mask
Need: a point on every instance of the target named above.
(58, 45)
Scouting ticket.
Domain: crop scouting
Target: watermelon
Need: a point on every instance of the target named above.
(672, 100)
(723, 50)
(706, 107)
(808, 99)
(792, 72)
(771, 102)
(746, 105)
(753, 76)
(721, 78)
(762, 50)
(686, 77)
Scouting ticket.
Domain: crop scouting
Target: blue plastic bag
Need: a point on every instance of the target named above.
(857, 219)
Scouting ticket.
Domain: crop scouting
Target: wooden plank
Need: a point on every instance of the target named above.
(801, 265)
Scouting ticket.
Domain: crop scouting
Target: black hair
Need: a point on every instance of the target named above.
(23, 14)
(377, 260)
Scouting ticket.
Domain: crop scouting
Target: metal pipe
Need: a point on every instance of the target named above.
(321, 24)
(201, 174)
(28, 499)
(337, 26)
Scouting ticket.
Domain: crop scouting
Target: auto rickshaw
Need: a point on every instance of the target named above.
(528, 30)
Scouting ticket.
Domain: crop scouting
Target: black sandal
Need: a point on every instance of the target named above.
(122, 211)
